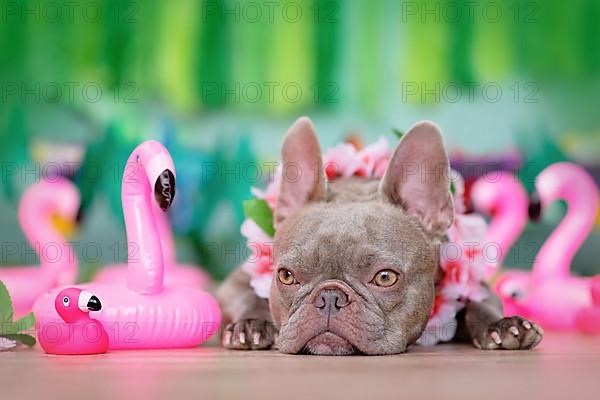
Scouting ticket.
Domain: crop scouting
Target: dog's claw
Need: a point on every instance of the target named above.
(512, 333)
(227, 338)
(496, 338)
(237, 335)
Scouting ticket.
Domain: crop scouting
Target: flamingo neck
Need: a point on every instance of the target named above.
(56, 255)
(145, 258)
(507, 224)
(165, 234)
(508, 202)
(555, 257)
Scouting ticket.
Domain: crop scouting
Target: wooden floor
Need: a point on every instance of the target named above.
(564, 367)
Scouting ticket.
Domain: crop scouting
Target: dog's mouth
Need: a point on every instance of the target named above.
(329, 343)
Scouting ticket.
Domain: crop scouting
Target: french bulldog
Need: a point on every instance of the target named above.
(357, 260)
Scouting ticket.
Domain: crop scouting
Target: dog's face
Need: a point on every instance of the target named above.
(355, 259)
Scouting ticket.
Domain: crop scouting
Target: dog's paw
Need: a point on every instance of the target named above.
(512, 333)
(249, 334)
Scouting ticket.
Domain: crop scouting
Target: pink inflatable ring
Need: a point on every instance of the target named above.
(143, 313)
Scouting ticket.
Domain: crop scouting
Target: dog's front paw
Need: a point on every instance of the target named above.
(249, 334)
(512, 333)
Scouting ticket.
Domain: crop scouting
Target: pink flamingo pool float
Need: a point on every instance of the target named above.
(79, 334)
(143, 312)
(58, 266)
(504, 198)
(550, 294)
(175, 273)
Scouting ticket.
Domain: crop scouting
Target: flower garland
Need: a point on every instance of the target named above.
(463, 266)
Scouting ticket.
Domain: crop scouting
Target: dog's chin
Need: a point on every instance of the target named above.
(329, 344)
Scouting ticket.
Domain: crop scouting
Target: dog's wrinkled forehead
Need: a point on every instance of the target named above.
(349, 237)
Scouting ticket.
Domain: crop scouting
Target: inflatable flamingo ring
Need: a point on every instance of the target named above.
(143, 313)
(58, 266)
(550, 294)
(175, 273)
(504, 198)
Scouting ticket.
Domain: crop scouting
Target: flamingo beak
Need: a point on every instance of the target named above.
(88, 302)
(164, 189)
(64, 226)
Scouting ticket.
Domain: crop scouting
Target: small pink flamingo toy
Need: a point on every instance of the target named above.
(79, 334)
(175, 273)
(550, 294)
(42, 202)
(501, 195)
(143, 313)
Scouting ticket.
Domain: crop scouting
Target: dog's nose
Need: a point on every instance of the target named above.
(331, 301)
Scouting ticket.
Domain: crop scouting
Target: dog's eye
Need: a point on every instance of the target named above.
(385, 278)
(286, 277)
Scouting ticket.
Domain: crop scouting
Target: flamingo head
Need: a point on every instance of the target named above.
(498, 190)
(569, 182)
(66, 199)
(73, 304)
(57, 200)
(513, 288)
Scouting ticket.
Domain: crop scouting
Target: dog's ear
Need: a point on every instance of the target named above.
(418, 178)
(303, 178)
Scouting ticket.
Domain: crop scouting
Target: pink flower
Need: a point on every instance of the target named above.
(372, 160)
(260, 264)
(462, 261)
(340, 161)
(271, 193)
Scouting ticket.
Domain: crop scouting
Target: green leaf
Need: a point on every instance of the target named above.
(25, 323)
(25, 339)
(260, 212)
(398, 133)
(6, 307)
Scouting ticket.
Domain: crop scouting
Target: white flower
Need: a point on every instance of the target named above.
(7, 344)
(262, 285)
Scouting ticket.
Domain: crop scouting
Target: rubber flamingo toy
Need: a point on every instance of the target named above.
(504, 198)
(175, 273)
(41, 203)
(549, 294)
(143, 313)
(79, 334)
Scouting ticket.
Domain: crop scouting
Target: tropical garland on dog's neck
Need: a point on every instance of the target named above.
(463, 275)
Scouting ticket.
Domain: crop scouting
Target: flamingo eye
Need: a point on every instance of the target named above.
(66, 301)
(513, 290)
